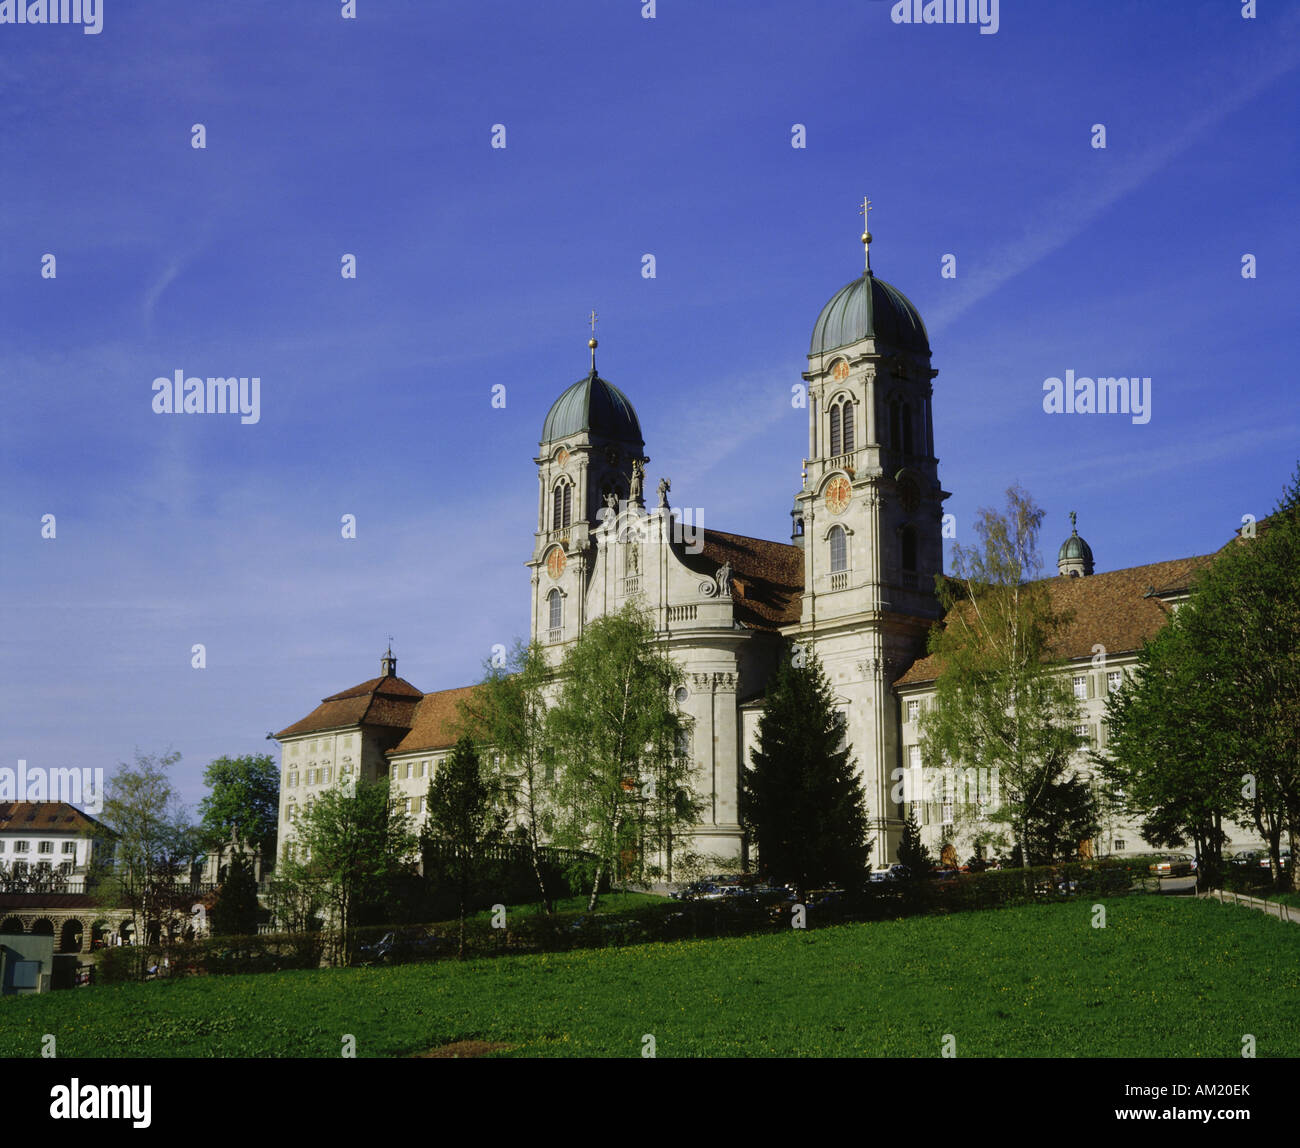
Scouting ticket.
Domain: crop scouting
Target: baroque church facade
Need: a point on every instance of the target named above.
(855, 581)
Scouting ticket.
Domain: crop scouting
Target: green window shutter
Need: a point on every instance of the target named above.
(1102, 731)
(1092, 686)
(1093, 735)
(1102, 689)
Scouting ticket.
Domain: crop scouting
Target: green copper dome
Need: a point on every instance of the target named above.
(869, 308)
(595, 406)
(1074, 548)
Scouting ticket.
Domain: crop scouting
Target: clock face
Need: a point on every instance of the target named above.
(840, 371)
(838, 494)
(555, 562)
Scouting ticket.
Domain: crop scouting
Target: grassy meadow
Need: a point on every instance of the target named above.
(1166, 977)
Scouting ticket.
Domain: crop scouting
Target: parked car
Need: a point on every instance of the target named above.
(400, 945)
(896, 872)
(1173, 865)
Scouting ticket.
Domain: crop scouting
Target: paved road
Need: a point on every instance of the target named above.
(1183, 885)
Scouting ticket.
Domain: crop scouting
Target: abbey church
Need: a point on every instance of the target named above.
(855, 578)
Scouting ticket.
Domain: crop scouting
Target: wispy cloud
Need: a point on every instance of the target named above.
(1058, 221)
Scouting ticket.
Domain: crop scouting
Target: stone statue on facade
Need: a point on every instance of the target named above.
(638, 481)
(724, 578)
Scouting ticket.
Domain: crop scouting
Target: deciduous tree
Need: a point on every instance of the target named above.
(617, 733)
(1001, 701)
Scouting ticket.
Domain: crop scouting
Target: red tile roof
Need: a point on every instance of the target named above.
(386, 701)
(1110, 609)
(436, 724)
(35, 902)
(766, 577)
(47, 816)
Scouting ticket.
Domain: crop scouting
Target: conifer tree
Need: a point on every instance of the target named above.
(463, 814)
(803, 800)
(236, 912)
(911, 850)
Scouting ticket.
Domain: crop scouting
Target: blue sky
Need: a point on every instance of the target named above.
(477, 266)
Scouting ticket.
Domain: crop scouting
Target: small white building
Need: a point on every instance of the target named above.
(47, 845)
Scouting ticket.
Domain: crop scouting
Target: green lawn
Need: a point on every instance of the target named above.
(1166, 977)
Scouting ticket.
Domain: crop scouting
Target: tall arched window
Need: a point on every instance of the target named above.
(839, 550)
(562, 505)
(554, 610)
(908, 539)
(842, 436)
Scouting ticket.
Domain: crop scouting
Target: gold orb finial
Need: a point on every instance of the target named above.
(865, 211)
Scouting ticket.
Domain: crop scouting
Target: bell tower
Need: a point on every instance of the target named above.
(871, 503)
(591, 453)
(870, 512)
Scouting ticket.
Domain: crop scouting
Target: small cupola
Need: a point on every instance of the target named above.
(388, 664)
(1074, 560)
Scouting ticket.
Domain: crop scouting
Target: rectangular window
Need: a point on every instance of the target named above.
(913, 709)
(1120, 843)
(326, 773)
(424, 768)
(22, 846)
(1080, 686)
(1113, 679)
(46, 847)
(69, 847)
